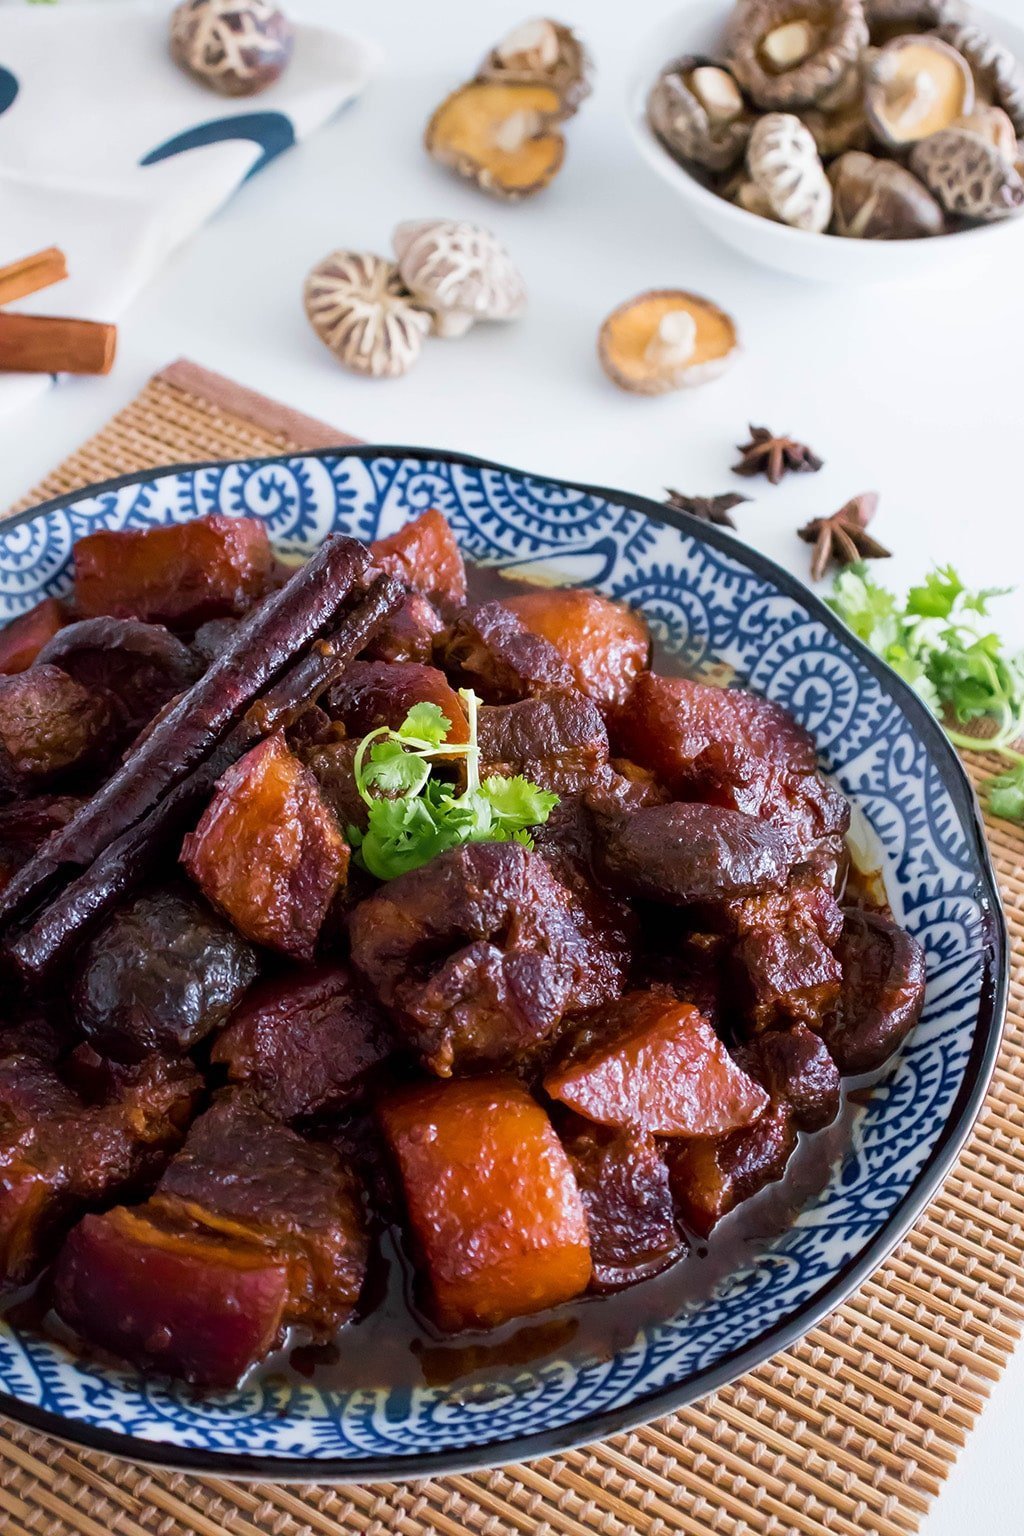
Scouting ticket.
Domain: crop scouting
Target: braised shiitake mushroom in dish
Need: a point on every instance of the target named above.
(866, 119)
(363, 902)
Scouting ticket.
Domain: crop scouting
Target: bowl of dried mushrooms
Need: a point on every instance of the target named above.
(841, 140)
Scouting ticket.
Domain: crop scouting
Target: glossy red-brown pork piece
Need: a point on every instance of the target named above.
(24, 637)
(377, 693)
(50, 726)
(251, 1228)
(60, 1153)
(490, 650)
(623, 1179)
(480, 953)
(606, 644)
(268, 851)
(651, 1064)
(731, 748)
(494, 1208)
(139, 666)
(784, 966)
(883, 991)
(794, 1067)
(557, 741)
(691, 855)
(332, 764)
(178, 574)
(160, 975)
(410, 634)
(425, 557)
(305, 1042)
(712, 1176)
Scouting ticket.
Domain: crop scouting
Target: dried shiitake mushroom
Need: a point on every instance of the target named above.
(697, 110)
(916, 85)
(665, 340)
(542, 52)
(880, 200)
(784, 164)
(459, 272)
(361, 309)
(236, 47)
(790, 53)
(968, 175)
(501, 135)
(887, 19)
(991, 123)
(836, 133)
(998, 72)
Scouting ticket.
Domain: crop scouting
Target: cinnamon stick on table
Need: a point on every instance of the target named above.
(40, 270)
(52, 344)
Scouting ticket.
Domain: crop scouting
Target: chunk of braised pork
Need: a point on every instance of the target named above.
(377, 693)
(558, 741)
(691, 855)
(26, 824)
(651, 1064)
(794, 1066)
(410, 634)
(623, 1179)
(159, 976)
(24, 637)
(332, 764)
(306, 1042)
(711, 1177)
(268, 851)
(176, 573)
(882, 994)
(606, 644)
(493, 1205)
(60, 1152)
(731, 748)
(490, 650)
(425, 557)
(480, 953)
(251, 1229)
(212, 639)
(140, 667)
(50, 726)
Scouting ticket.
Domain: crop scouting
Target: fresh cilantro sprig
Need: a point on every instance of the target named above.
(414, 815)
(937, 640)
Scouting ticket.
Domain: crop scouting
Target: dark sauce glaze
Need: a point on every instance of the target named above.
(392, 1343)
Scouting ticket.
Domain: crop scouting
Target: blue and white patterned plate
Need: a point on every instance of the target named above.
(701, 590)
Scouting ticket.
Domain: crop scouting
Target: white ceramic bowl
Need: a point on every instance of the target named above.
(826, 258)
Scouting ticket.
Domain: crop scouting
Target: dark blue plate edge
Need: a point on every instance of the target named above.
(964, 1111)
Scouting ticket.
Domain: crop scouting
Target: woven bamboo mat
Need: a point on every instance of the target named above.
(851, 1433)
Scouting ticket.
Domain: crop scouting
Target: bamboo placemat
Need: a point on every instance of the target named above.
(850, 1433)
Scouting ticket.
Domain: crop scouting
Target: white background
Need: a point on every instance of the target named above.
(915, 393)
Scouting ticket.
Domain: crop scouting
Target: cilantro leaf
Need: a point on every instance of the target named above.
(426, 723)
(1006, 794)
(516, 804)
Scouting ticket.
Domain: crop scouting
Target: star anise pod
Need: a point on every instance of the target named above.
(843, 537)
(773, 456)
(709, 509)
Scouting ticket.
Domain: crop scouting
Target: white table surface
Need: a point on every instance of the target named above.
(913, 393)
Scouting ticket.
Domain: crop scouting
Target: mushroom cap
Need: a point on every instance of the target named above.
(991, 123)
(360, 308)
(968, 175)
(890, 18)
(666, 339)
(836, 34)
(783, 160)
(543, 52)
(916, 85)
(837, 133)
(499, 134)
(459, 271)
(880, 200)
(997, 70)
(236, 47)
(682, 122)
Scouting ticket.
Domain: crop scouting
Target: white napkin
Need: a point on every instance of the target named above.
(92, 94)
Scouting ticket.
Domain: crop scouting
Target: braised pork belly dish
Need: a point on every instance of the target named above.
(335, 901)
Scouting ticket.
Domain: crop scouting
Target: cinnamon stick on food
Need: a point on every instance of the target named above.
(266, 642)
(131, 858)
(51, 344)
(40, 270)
